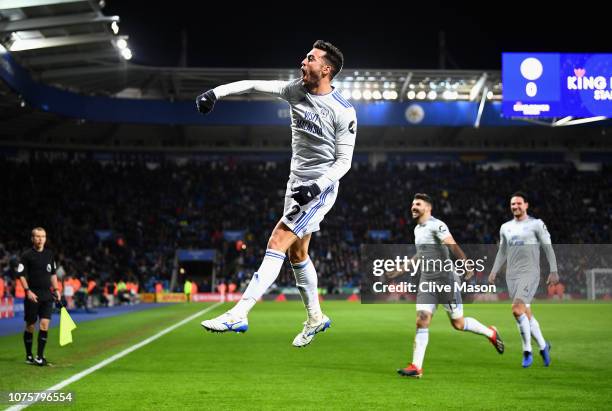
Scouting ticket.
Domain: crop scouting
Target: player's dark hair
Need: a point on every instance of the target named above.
(520, 194)
(333, 55)
(424, 197)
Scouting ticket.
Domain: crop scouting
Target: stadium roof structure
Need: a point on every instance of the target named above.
(74, 46)
(71, 44)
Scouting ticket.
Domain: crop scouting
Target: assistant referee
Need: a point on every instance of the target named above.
(36, 272)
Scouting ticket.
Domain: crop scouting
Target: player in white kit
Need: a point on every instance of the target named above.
(519, 247)
(323, 130)
(433, 241)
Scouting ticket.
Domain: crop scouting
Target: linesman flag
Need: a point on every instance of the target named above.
(66, 327)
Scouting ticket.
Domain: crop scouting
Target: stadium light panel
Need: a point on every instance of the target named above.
(126, 53)
(122, 44)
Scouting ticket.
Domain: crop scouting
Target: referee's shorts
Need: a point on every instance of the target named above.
(39, 310)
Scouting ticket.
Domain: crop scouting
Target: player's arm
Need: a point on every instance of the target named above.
(346, 131)
(54, 283)
(206, 101)
(544, 238)
(500, 258)
(458, 253)
(24, 269)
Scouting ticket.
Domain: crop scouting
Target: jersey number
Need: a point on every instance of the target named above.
(294, 210)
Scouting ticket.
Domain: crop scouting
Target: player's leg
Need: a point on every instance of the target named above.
(305, 277)
(236, 318)
(28, 337)
(421, 339)
(306, 281)
(43, 330)
(461, 323)
(521, 291)
(30, 317)
(519, 311)
(537, 335)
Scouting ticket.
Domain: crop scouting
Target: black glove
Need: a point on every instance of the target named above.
(59, 303)
(305, 194)
(206, 101)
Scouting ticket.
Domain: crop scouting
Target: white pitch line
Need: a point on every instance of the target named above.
(117, 356)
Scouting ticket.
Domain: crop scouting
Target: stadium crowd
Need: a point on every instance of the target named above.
(118, 221)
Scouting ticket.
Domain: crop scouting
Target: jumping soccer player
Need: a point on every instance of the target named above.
(323, 129)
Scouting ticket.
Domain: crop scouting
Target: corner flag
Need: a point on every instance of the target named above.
(66, 327)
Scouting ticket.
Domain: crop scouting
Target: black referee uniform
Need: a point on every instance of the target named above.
(37, 267)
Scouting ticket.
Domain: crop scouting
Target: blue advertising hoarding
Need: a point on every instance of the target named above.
(556, 85)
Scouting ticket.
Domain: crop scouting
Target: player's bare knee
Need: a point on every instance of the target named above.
(276, 242)
(30, 327)
(282, 238)
(518, 309)
(423, 319)
(44, 325)
(458, 323)
(297, 255)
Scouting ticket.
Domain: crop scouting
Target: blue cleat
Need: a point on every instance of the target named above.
(545, 353)
(527, 359)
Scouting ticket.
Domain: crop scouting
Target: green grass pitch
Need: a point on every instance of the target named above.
(350, 366)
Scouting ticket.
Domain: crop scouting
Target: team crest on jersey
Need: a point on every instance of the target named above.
(49, 268)
(324, 112)
(352, 127)
(20, 268)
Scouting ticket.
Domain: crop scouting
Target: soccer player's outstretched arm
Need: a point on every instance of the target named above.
(546, 242)
(500, 258)
(206, 101)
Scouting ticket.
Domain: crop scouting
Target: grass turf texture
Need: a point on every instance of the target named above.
(350, 366)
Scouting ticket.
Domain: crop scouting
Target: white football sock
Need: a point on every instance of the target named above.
(523, 325)
(536, 333)
(306, 281)
(420, 345)
(473, 325)
(262, 279)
